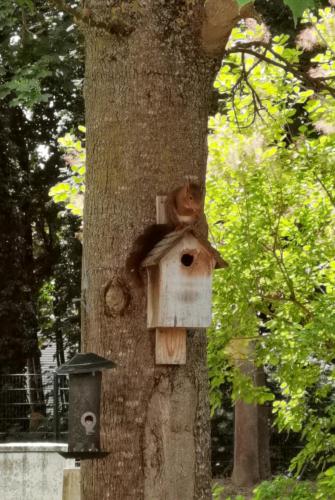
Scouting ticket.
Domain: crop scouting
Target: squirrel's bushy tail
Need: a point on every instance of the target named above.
(141, 247)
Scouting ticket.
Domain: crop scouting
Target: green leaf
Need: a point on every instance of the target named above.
(269, 152)
(243, 2)
(298, 7)
(60, 197)
(26, 3)
(59, 188)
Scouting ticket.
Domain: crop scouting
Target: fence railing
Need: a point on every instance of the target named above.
(29, 408)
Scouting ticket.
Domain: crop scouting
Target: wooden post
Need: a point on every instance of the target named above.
(71, 484)
(170, 347)
(161, 217)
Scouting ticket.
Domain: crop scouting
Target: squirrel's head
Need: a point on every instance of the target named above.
(193, 198)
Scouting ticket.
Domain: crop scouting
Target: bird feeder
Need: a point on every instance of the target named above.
(179, 270)
(84, 372)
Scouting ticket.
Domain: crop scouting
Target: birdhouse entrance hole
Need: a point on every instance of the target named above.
(187, 259)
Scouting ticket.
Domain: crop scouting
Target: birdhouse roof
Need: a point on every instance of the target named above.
(85, 363)
(171, 239)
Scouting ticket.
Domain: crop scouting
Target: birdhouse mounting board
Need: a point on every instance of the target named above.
(170, 347)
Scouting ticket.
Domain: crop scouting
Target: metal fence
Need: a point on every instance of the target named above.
(29, 408)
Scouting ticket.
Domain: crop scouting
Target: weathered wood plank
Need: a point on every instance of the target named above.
(170, 346)
(161, 217)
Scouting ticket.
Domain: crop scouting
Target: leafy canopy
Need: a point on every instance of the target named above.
(270, 204)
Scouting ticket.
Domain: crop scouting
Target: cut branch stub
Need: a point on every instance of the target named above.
(220, 18)
(116, 298)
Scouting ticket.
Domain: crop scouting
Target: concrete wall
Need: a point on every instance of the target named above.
(32, 471)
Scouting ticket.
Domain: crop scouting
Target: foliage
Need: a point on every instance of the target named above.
(217, 491)
(71, 190)
(271, 204)
(33, 51)
(298, 6)
(326, 484)
(16, 311)
(39, 49)
(58, 303)
(288, 488)
(26, 84)
(284, 488)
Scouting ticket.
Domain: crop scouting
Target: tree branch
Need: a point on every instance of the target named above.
(315, 26)
(328, 193)
(285, 273)
(280, 62)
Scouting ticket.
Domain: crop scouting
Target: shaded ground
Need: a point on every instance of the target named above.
(231, 491)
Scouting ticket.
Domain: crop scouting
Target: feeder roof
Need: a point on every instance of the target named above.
(171, 239)
(85, 363)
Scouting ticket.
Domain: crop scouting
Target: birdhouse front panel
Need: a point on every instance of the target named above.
(180, 286)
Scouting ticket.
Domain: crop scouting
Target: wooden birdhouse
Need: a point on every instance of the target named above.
(180, 271)
(179, 295)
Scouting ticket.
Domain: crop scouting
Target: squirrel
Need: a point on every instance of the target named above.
(36, 420)
(183, 207)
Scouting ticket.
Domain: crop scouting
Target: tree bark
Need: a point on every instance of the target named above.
(147, 93)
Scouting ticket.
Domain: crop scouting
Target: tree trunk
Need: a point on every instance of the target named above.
(147, 95)
(60, 353)
(251, 435)
(36, 394)
(146, 131)
(264, 459)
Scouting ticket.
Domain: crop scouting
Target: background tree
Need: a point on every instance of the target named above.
(34, 110)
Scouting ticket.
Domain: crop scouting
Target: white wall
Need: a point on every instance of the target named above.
(32, 471)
